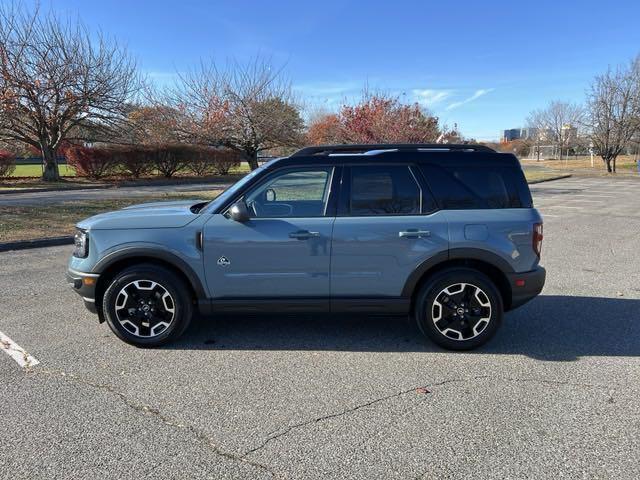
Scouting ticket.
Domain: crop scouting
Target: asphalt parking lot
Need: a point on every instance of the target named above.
(556, 394)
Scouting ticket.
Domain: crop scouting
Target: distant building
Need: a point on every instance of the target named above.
(518, 134)
(526, 134)
(511, 134)
(569, 134)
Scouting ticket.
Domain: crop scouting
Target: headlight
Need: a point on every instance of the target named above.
(81, 242)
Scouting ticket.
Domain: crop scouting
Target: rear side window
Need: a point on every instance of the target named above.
(383, 190)
(475, 187)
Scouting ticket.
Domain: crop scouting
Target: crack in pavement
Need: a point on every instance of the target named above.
(274, 435)
(155, 412)
(287, 430)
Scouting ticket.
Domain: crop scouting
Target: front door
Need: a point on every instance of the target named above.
(283, 251)
(387, 225)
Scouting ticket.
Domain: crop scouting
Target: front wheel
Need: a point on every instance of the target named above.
(459, 309)
(147, 305)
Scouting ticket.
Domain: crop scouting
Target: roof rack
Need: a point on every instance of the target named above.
(385, 147)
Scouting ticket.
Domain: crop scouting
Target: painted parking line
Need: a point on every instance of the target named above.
(16, 352)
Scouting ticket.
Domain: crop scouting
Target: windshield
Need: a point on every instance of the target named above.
(233, 189)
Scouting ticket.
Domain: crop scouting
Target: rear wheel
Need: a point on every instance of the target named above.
(147, 305)
(459, 309)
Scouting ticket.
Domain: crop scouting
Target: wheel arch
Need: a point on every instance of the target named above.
(115, 262)
(485, 262)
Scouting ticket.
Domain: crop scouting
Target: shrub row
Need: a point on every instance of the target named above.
(167, 160)
(7, 163)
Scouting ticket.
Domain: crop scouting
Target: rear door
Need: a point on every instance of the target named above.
(387, 225)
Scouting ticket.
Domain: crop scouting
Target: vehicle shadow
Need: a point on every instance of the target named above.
(553, 328)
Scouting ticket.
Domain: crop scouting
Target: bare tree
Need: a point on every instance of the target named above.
(557, 123)
(537, 132)
(54, 81)
(249, 108)
(155, 124)
(613, 104)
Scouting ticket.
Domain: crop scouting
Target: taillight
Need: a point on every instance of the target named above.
(537, 238)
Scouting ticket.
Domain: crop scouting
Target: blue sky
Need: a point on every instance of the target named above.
(481, 64)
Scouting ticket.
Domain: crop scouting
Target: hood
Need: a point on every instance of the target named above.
(145, 215)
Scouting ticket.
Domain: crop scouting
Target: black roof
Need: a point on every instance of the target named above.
(441, 154)
(398, 147)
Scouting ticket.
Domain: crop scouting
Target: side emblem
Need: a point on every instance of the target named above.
(224, 261)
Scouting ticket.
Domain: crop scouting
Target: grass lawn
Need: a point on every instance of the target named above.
(36, 171)
(625, 163)
(29, 177)
(538, 175)
(29, 222)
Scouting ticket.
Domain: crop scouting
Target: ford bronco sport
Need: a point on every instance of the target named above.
(445, 233)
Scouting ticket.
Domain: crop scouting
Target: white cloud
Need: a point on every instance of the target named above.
(477, 94)
(428, 97)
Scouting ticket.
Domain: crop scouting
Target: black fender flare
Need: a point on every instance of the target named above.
(166, 256)
(479, 254)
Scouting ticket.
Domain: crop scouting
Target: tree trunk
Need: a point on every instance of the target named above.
(51, 172)
(614, 164)
(252, 158)
(608, 162)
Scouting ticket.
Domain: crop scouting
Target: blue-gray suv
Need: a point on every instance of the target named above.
(445, 233)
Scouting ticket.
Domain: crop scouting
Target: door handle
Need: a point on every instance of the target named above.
(414, 233)
(303, 234)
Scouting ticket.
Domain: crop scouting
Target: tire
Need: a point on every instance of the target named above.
(147, 305)
(459, 309)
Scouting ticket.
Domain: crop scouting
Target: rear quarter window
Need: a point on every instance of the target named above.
(477, 186)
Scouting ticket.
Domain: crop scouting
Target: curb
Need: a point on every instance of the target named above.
(37, 243)
(559, 177)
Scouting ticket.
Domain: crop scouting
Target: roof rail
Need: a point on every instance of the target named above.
(384, 147)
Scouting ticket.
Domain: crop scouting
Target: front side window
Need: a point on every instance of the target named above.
(293, 192)
(383, 190)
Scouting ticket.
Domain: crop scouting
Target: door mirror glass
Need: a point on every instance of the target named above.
(239, 212)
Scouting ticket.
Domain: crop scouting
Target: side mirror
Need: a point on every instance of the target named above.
(239, 212)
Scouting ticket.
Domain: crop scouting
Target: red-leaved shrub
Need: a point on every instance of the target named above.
(7, 163)
(225, 160)
(91, 162)
(210, 160)
(134, 161)
(171, 159)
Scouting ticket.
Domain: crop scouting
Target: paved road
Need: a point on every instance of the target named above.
(48, 198)
(554, 395)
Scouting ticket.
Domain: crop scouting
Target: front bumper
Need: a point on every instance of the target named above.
(525, 286)
(84, 284)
